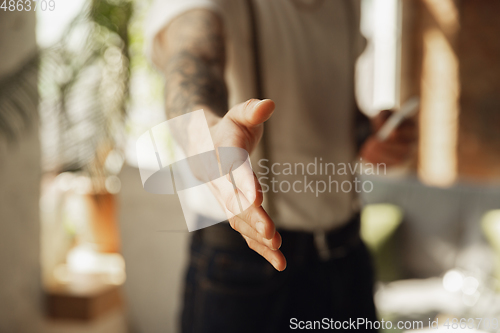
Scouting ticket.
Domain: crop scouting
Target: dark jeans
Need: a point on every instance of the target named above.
(236, 290)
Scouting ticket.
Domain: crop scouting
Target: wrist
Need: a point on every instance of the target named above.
(211, 116)
(195, 135)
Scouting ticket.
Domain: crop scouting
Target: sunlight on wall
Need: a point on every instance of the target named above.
(440, 93)
(445, 13)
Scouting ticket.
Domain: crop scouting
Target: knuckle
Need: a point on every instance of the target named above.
(268, 243)
(228, 201)
(246, 216)
(250, 102)
(250, 243)
(233, 223)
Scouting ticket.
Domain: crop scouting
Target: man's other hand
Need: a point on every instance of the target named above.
(397, 149)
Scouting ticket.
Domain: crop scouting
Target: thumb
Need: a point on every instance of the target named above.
(252, 113)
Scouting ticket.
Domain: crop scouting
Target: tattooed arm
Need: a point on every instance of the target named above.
(191, 54)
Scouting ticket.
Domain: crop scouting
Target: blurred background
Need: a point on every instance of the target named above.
(83, 248)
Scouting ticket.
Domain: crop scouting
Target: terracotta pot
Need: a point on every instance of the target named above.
(103, 222)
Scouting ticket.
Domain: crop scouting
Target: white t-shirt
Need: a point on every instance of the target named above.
(307, 56)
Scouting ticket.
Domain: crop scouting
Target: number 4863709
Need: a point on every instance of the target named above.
(27, 5)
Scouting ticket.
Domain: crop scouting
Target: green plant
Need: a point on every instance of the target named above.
(83, 89)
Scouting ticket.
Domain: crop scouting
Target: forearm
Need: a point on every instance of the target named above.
(191, 53)
(192, 84)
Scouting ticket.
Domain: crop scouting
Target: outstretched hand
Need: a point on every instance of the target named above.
(242, 127)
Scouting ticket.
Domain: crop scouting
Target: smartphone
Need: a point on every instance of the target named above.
(408, 109)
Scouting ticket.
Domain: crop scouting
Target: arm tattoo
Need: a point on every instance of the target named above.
(194, 71)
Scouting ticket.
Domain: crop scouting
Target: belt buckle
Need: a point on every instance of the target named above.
(325, 251)
(321, 245)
